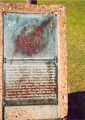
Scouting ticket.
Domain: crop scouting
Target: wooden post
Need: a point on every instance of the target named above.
(31, 2)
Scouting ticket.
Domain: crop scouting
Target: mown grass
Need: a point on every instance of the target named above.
(75, 37)
(13, 1)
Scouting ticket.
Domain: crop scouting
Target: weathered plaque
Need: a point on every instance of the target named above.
(30, 53)
(31, 36)
(32, 83)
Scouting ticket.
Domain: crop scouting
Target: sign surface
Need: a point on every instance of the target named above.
(31, 36)
(30, 63)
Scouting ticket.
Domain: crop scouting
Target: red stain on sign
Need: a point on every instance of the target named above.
(31, 43)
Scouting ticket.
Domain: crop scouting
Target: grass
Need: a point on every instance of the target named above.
(13, 1)
(76, 40)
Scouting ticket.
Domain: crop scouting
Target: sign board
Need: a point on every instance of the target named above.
(30, 54)
(32, 37)
(34, 64)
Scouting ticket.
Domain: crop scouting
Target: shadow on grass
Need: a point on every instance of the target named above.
(76, 106)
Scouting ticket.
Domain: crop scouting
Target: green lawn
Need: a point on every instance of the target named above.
(76, 40)
(13, 1)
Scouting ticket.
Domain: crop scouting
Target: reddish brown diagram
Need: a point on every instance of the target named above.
(32, 43)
